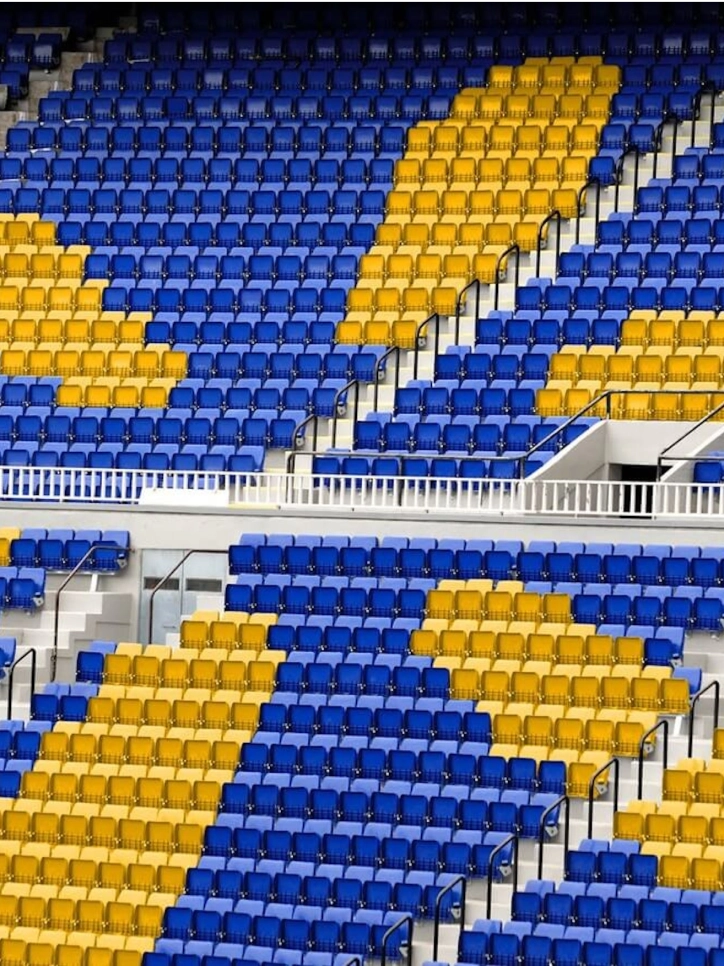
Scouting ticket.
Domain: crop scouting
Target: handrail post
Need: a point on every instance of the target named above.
(553, 216)
(461, 881)
(566, 802)
(663, 723)
(393, 928)
(511, 839)
(11, 674)
(716, 685)
(514, 248)
(166, 577)
(56, 616)
(616, 765)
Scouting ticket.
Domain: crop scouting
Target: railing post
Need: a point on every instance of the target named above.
(511, 839)
(390, 932)
(56, 616)
(716, 687)
(461, 881)
(11, 675)
(566, 802)
(662, 723)
(615, 764)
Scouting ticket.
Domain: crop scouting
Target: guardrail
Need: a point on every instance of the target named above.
(322, 492)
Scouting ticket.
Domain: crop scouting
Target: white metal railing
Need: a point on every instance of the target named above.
(320, 492)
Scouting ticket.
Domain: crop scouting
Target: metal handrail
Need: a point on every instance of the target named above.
(716, 685)
(166, 577)
(418, 334)
(553, 216)
(566, 802)
(707, 88)
(511, 839)
(631, 149)
(662, 723)
(614, 763)
(385, 939)
(579, 204)
(512, 249)
(603, 397)
(667, 449)
(299, 430)
(11, 675)
(393, 350)
(459, 305)
(78, 567)
(459, 880)
(335, 406)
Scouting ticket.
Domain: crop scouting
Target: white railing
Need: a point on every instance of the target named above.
(311, 493)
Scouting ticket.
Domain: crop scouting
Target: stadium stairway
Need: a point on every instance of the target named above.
(276, 461)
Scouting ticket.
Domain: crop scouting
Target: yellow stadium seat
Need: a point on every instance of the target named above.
(675, 871)
(463, 171)
(407, 171)
(677, 785)
(628, 825)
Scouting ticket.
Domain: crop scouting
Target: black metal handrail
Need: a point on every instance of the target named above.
(167, 577)
(459, 305)
(566, 802)
(716, 686)
(680, 439)
(511, 839)
(418, 339)
(512, 249)
(393, 928)
(662, 723)
(553, 216)
(710, 89)
(352, 384)
(614, 763)
(604, 397)
(31, 652)
(59, 593)
(312, 419)
(592, 182)
(458, 880)
(658, 139)
(394, 350)
(631, 149)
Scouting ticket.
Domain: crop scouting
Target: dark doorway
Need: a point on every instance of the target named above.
(638, 495)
